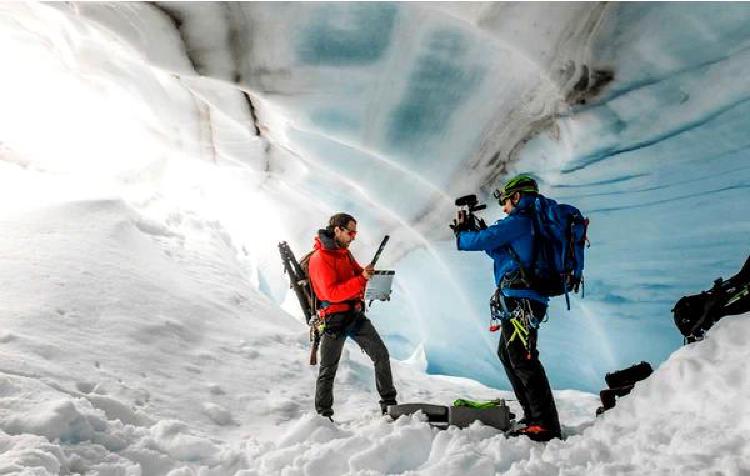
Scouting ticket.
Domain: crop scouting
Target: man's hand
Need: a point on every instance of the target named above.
(367, 271)
(466, 222)
(459, 223)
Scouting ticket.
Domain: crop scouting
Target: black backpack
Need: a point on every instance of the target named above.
(695, 314)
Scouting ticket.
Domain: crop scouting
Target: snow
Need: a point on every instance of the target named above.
(652, 431)
(130, 390)
(147, 328)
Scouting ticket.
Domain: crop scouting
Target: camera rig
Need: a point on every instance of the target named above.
(466, 220)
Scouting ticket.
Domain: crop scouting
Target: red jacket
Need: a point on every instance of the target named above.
(335, 275)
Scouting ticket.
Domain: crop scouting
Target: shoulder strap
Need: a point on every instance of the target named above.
(525, 277)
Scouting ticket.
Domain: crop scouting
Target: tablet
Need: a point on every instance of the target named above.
(379, 286)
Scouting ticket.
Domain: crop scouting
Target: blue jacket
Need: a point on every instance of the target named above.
(516, 230)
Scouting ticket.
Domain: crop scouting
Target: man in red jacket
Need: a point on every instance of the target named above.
(339, 285)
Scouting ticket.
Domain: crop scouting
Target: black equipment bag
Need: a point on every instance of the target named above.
(695, 314)
(621, 382)
(629, 376)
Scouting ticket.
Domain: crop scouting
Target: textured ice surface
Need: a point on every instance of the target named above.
(152, 155)
(389, 111)
(660, 164)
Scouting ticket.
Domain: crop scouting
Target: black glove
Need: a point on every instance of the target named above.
(462, 222)
(455, 227)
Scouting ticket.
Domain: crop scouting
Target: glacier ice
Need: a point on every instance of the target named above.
(263, 119)
(152, 156)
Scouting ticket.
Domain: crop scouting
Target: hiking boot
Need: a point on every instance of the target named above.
(326, 412)
(535, 433)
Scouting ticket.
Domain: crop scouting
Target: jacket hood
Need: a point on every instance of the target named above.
(526, 202)
(324, 241)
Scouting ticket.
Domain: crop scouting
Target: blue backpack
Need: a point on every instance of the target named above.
(559, 243)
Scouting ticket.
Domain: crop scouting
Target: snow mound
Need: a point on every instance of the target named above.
(692, 414)
(690, 417)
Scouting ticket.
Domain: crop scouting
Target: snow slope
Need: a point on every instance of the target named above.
(132, 350)
(128, 346)
(690, 417)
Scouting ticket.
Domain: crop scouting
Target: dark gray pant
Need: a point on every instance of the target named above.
(359, 328)
(525, 371)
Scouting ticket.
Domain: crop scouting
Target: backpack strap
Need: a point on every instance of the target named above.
(566, 238)
(525, 277)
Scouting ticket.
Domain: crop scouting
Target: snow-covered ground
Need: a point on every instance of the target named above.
(130, 350)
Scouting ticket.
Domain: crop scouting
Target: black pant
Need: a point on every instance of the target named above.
(359, 328)
(525, 371)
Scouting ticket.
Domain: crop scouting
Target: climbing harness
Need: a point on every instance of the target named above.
(521, 318)
(498, 311)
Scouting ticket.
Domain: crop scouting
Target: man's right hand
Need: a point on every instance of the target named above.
(367, 272)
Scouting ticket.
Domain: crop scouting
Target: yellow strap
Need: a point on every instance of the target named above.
(519, 330)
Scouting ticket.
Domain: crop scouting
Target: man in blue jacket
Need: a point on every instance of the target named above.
(507, 242)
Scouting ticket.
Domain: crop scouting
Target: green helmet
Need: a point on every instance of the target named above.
(519, 183)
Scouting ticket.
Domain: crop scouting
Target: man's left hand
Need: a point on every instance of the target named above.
(460, 223)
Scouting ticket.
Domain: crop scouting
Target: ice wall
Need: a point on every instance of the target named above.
(660, 163)
(265, 118)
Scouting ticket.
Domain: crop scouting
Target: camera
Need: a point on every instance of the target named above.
(471, 202)
(465, 218)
